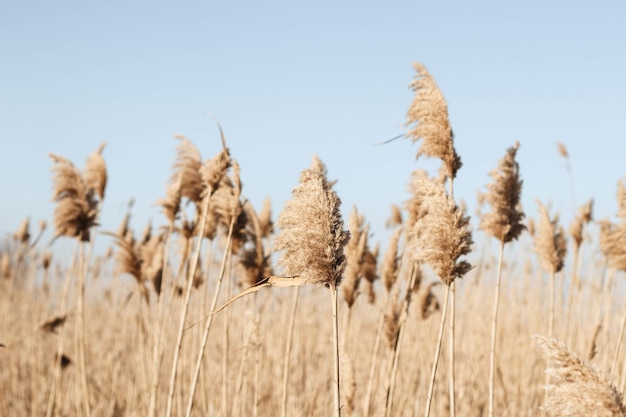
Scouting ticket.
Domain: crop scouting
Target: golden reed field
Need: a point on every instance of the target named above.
(224, 309)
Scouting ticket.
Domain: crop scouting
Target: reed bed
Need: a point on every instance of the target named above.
(196, 315)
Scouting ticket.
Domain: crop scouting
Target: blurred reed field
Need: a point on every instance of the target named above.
(225, 309)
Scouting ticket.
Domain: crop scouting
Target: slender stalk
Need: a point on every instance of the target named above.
(618, 346)
(494, 328)
(205, 336)
(451, 359)
(80, 330)
(370, 381)
(158, 329)
(398, 345)
(333, 296)
(183, 314)
(552, 302)
(63, 312)
(437, 354)
(287, 351)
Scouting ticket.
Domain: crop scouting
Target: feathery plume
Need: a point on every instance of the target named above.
(96, 172)
(77, 209)
(504, 221)
(311, 233)
(265, 218)
(391, 263)
(550, 243)
(441, 235)
(575, 388)
(355, 251)
(583, 217)
(427, 119)
(186, 169)
(22, 234)
(395, 218)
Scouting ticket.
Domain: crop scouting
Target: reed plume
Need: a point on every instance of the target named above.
(427, 119)
(96, 172)
(551, 248)
(613, 246)
(576, 389)
(311, 236)
(312, 240)
(22, 234)
(440, 237)
(504, 222)
(77, 208)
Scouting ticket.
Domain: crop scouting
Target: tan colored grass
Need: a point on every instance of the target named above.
(427, 120)
(575, 388)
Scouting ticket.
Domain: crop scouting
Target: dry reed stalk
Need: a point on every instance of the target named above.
(76, 214)
(390, 271)
(236, 211)
(210, 175)
(313, 216)
(504, 222)
(398, 329)
(551, 248)
(287, 350)
(613, 247)
(576, 229)
(576, 389)
(439, 238)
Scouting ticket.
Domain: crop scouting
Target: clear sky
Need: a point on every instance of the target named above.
(291, 79)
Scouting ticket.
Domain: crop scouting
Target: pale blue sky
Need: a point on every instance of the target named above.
(290, 79)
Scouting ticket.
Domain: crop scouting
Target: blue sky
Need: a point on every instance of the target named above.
(289, 79)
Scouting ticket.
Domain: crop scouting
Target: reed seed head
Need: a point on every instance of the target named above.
(311, 234)
(96, 172)
(550, 244)
(427, 119)
(575, 388)
(77, 208)
(441, 235)
(504, 221)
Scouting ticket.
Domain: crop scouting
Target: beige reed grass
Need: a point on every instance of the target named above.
(198, 183)
(613, 246)
(75, 215)
(576, 389)
(440, 238)
(551, 248)
(503, 222)
(311, 240)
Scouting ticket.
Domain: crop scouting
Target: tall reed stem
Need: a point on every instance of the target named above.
(207, 328)
(183, 313)
(433, 374)
(333, 296)
(494, 327)
(287, 352)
